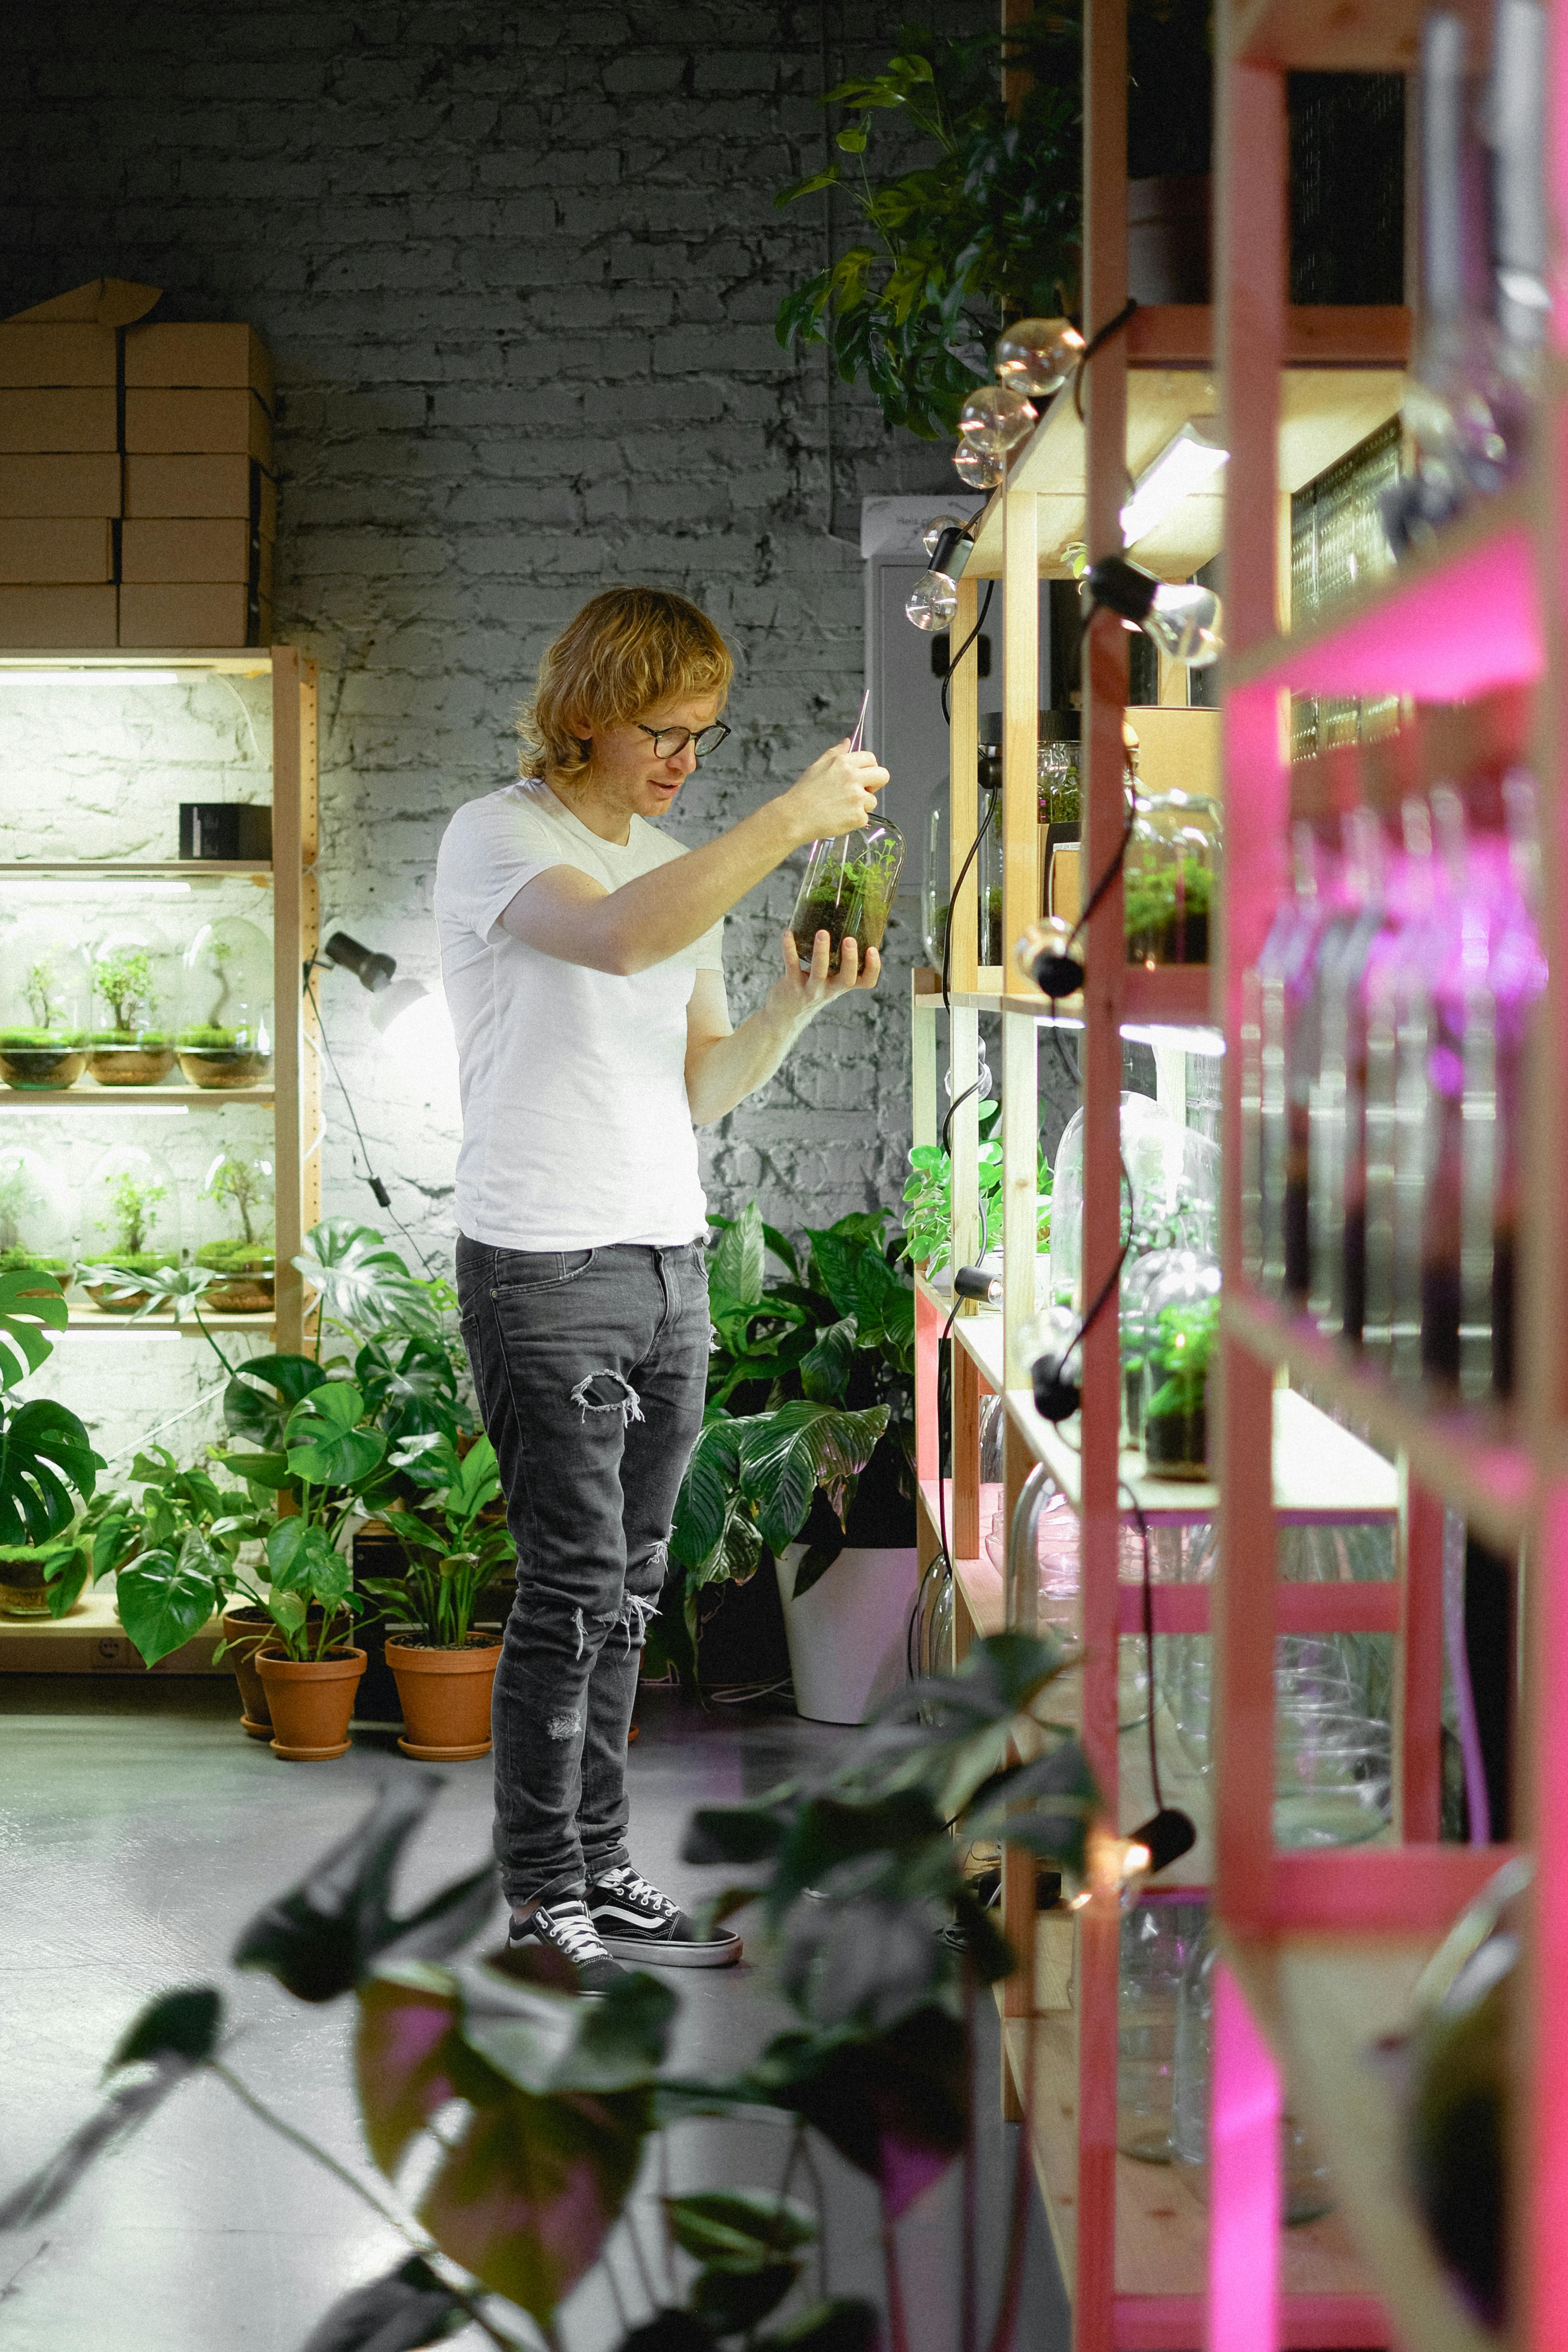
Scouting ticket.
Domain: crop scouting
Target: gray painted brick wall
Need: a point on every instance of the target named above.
(517, 269)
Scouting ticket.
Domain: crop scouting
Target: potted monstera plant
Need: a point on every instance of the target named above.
(47, 1466)
(444, 1665)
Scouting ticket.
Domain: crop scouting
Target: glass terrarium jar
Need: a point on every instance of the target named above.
(225, 1037)
(235, 1236)
(1060, 794)
(1169, 874)
(1181, 1324)
(129, 1222)
(46, 992)
(988, 884)
(135, 1005)
(36, 1233)
(848, 891)
(936, 885)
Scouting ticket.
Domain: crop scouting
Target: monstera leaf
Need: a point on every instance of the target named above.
(364, 1285)
(28, 1313)
(262, 1394)
(325, 1446)
(46, 1462)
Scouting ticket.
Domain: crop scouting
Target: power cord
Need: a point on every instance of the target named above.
(1097, 344)
(963, 648)
(985, 824)
(382, 1196)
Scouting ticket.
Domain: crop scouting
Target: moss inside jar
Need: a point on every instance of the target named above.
(131, 1224)
(1172, 857)
(133, 1046)
(234, 1238)
(43, 1061)
(223, 1057)
(225, 1037)
(1181, 1325)
(45, 991)
(56, 1270)
(848, 891)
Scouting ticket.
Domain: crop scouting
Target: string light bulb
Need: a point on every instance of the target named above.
(1038, 355)
(996, 419)
(933, 600)
(981, 472)
(1182, 618)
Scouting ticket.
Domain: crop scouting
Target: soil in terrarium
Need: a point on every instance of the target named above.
(222, 1057)
(856, 908)
(1167, 914)
(1175, 1444)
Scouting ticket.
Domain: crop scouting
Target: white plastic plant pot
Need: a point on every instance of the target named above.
(847, 1635)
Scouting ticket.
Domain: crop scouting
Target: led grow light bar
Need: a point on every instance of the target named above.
(1186, 464)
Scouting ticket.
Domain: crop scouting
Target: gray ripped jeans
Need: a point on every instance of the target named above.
(590, 1367)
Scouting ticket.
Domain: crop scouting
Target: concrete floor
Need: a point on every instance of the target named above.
(139, 1830)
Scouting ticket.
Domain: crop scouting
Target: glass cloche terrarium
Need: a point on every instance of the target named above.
(130, 1223)
(1181, 1324)
(46, 990)
(135, 992)
(235, 1236)
(225, 1037)
(848, 889)
(36, 1235)
(1169, 877)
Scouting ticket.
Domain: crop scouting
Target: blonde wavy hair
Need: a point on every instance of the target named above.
(629, 650)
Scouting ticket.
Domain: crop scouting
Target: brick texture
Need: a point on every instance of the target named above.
(517, 271)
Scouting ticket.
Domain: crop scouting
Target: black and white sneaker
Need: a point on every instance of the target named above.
(565, 1929)
(637, 1923)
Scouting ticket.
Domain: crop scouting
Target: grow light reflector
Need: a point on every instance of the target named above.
(1186, 464)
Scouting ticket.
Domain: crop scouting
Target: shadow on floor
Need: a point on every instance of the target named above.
(139, 1830)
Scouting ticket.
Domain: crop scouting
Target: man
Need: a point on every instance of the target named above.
(580, 952)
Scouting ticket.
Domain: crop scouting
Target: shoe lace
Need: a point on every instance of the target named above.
(574, 1932)
(626, 1881)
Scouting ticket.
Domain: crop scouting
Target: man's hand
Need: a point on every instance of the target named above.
(838, 794)
(804, 988)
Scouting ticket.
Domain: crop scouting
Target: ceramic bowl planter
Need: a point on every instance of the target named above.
(446, 1697)
(311, 1701)
(245, 1630)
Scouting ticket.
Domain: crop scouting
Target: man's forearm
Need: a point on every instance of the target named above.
(725, 1070)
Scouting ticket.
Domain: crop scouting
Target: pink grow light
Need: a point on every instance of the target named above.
(1244, 2163)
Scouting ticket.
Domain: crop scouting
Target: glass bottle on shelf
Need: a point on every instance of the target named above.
(1157, 1939)
(1141, 1268)
(988, 866)
(1305, 2189)
(1272, 990)
(1169, 874)
(35, 1225)
(225, 1037)
(847, 890)
(1060, 791)
(1337, 1098)
(46, 994)
(130, 1223)
(234, 1237)
(135, 1005)
(1181, 1318)
(1174, 1171)
(936, 884)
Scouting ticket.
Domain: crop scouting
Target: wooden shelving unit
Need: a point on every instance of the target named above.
(293, 1098)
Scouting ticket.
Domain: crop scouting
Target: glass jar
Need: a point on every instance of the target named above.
(988, 864)
(1304, 2179)
(234, 1238)
(46, 992)
(1157, 1941)
(1060, 797)
(847, 890)
(1180, 1323)
(936, 884)
(1174, 1173)
(1137, 1275)
(225, 1035)
(135, 1007)
(129, 1220)
(1169, 874)
(35, 1235)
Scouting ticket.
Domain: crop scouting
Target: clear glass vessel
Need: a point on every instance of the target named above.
(46, 994)
(988, 889)
(1337, 1162)
(1138, 1273)
(225, 1035)
(1181, 1324)
(1174, 1174)
(1171, 862)
(936, 884)
(129, 1220)
(1058, 772)
(847, 890)
(36, 1233)
(135, 986)
(1305, 2189)
(234, 1238)
(1157, 1941)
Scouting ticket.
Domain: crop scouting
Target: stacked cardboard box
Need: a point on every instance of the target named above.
(138, 505)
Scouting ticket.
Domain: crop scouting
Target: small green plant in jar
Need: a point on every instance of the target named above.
(236, 1205)
(1181, 1325)
(44, 986)
(130, 1222)
(848, 890)
(226, 1036)
(132, 1047)
(35, 1217)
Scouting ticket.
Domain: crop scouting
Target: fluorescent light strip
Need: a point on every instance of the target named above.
(1183, 465)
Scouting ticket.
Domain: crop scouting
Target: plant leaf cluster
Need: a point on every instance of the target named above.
(47, 1465)
(927, 1195)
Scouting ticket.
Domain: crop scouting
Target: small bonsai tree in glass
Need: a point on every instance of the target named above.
(130, 1225)
(235, 1234)
(35, 1216)
(44, 986)
(131, 1045)
(226, 1039)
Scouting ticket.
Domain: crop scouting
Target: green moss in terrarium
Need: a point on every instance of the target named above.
(133, 1261)
(216, 1041)
(21, 1261)
(1167, 913)
(40, 1041)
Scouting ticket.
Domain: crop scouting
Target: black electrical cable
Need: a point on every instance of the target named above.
(1096, 343)
(985, 824)
(382, 1196)
(963, 648)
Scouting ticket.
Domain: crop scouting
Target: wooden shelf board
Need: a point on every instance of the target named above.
(1322, 1476)
(1464, 1457)
(1347, 36)
(1325, 411)
(90, 1322)
(1457, 620)
(90, 1640)
(183, 869)
(1161, 2222)
(87, 1095)
(1175, 997)
(235, 661)
(980, 1335)
(1324, 2002)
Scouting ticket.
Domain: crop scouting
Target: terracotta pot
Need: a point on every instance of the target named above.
(310, 1703)
(446, 1697)
(242, 1625)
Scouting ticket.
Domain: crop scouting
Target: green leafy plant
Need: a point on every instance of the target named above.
(363, 1288)
(187, 1531)
(1166, 912)
(242, 1186)
(20, 1199)
(453, 1553)
(123, 979)
(928, 1196)
(519, 2117)
(1179, 1349)
(47, 1465)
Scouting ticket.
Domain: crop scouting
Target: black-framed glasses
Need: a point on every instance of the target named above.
(668, 742)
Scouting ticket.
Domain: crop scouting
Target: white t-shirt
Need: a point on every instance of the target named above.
(576, 1130)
